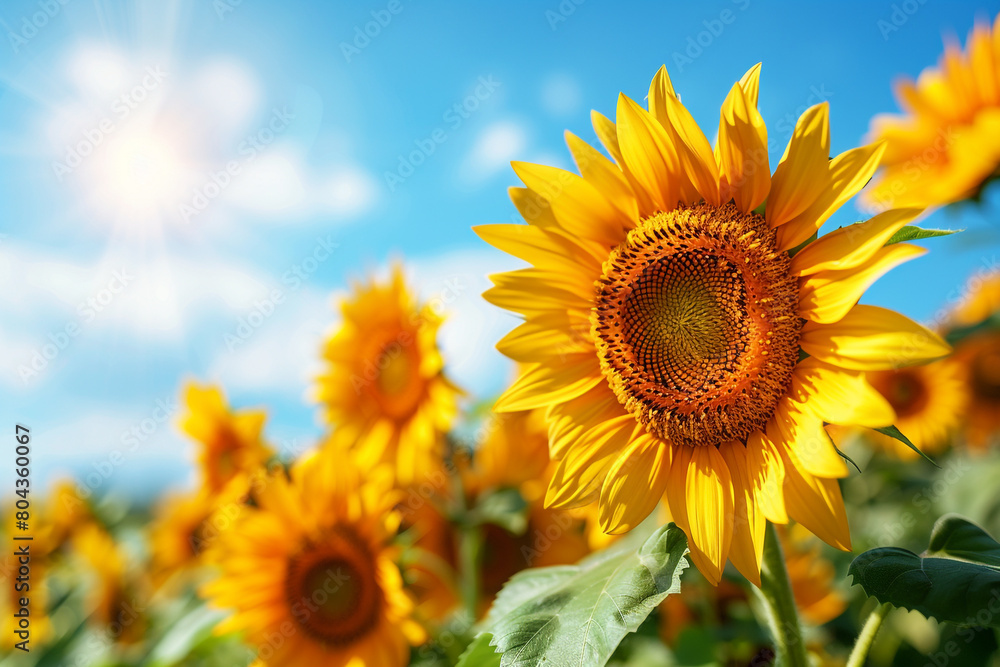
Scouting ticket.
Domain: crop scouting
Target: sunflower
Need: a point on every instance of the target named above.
(385, 387)
(512, 456)
(230, 442)
(680, 349)
(117, 597)
(185, 524)
(929, 402)
(975, 320)
(65, 510)
(515, 456)
(311, 572)
(945, 146)
(980, 358)
(812, 577)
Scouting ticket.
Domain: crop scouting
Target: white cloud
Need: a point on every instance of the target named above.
(141, 144)
(279, 185)
(472, 326)
(114, 449)
(159, 298)
(493, 149)
(347, 192)
(561, 95)
(282, 354)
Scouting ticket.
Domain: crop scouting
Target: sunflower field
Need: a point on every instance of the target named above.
(710, 439)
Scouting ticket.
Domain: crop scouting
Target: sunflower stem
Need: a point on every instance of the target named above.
(469, 548)
(866, 639)
(776, 589)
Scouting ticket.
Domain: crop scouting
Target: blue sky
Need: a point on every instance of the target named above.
(179, 174)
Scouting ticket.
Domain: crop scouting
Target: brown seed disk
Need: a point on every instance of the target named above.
(332, 588)
(696, 324)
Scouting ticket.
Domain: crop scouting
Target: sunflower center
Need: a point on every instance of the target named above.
(398, 381)
(332, 590)
(696, 324)
(986, 373)
(905, 391)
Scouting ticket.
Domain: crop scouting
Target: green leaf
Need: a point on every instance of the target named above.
(578, 614)
(794, 251)
(894, 432)
(913, 233)
(957, 580)
(479, 653)
(505, 508)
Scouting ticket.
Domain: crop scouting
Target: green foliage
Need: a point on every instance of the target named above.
(505, 508)
(479, 653)
(578, 614)
(956, 580)
(913, 233)
(894, 432)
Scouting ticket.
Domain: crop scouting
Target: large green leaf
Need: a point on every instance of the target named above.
(479, 653)
(956, 580)
(578, 614)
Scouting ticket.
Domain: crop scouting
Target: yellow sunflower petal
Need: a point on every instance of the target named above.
(742, 148)
(766, 470)
(803, 173)
(606, 131)
(660, 88)
(578, 478)
(816, 503)
(840, 396)
(848, 173)
(534, 208)
(650, 155)
(700, 494)
(870, 338)
(634, 484)
(750, 83)
(531, 291)
(570, 420)
(748, 520)
(543, 338)
(695, 152)
(540, 385)
(577, 205)
(850, 246)
(798, 429)
(603, 175)
(826, 296)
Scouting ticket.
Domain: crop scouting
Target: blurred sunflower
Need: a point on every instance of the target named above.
(812, 577)
(184, 525)
(230, 441)
(980, 356)
(929, 402)
(945, 146)
(117, 598)
(981, 301)
(664, 320)
(313, 565)
(976, 320)
(515, 456)
(512, 456)
(385, 387)
(65, 510)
